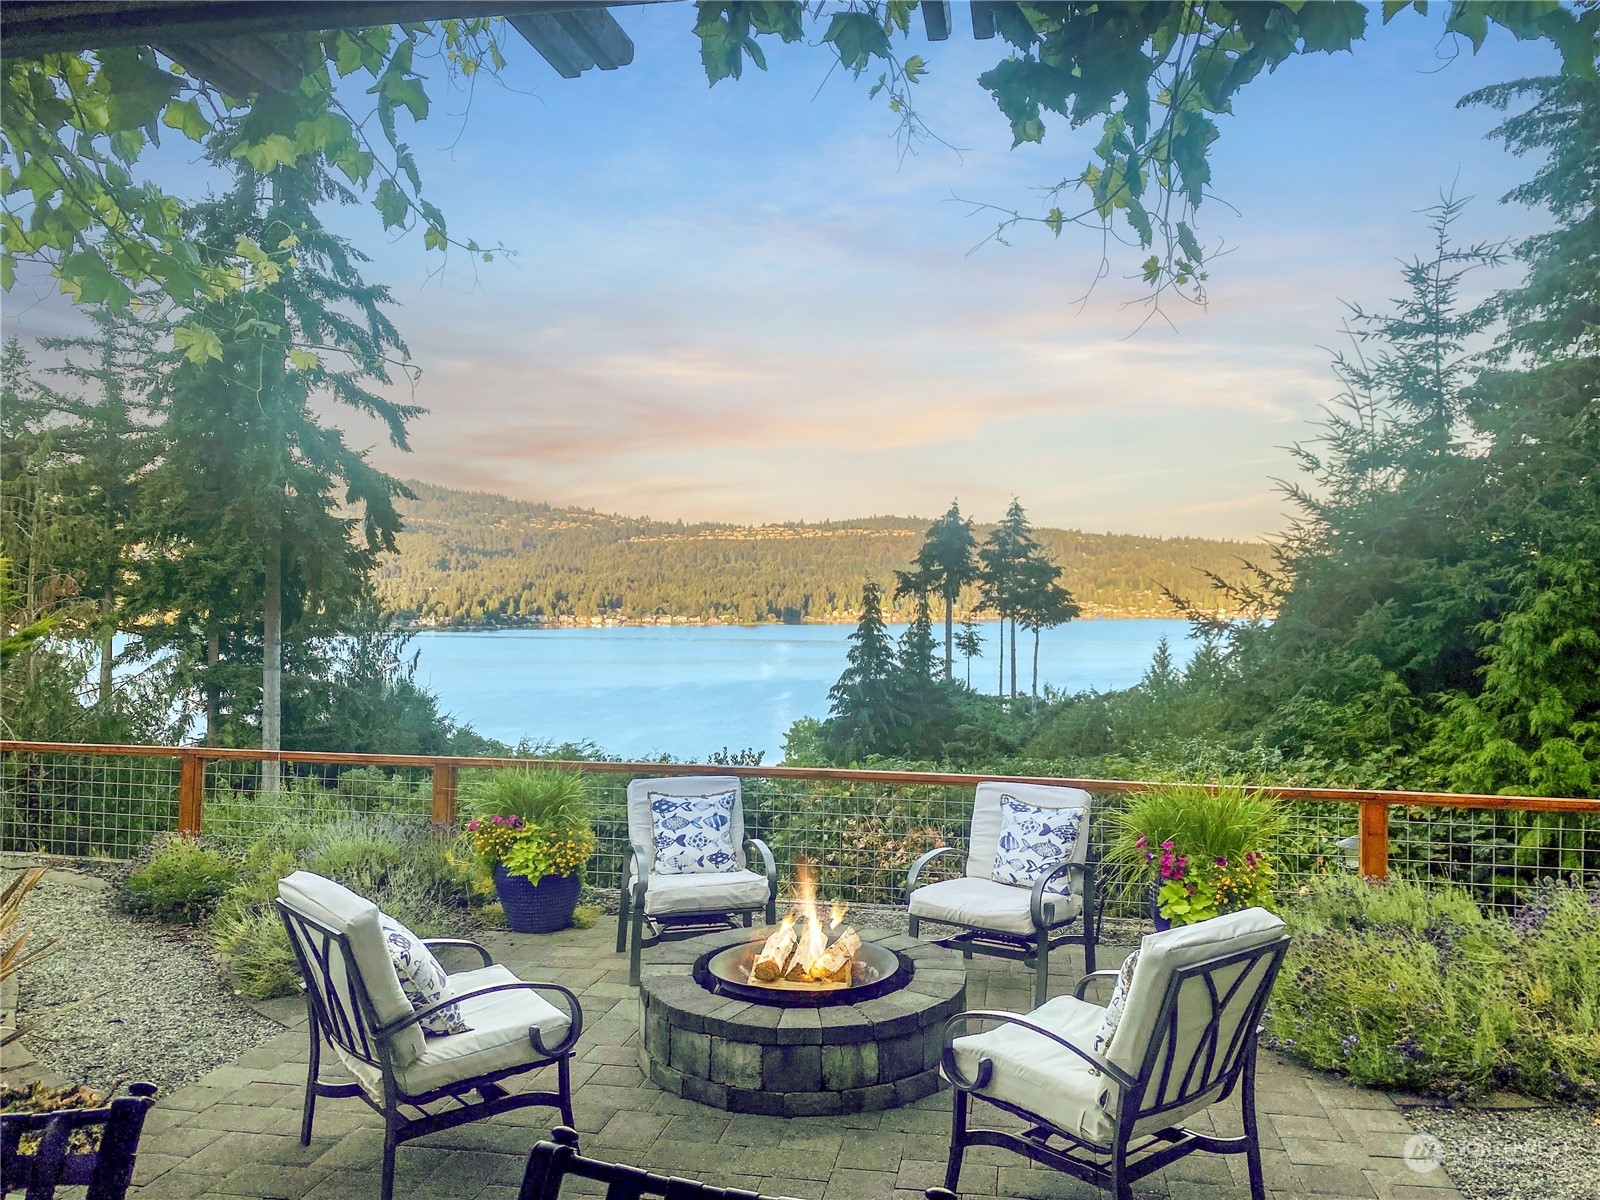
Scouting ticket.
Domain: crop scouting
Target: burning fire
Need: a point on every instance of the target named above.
(804, 949)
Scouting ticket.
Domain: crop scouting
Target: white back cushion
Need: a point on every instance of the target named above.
(1187, 945)
(641, 831)
(344, 912)
(985, 835)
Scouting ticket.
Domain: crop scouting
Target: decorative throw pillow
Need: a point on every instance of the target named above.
(1032, 841)
(694, 834)
(1119, 998)
(422, 979)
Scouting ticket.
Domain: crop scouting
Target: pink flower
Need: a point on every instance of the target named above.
(1167, 845)
(1142, 841)
(472, 826)
(1222, 861)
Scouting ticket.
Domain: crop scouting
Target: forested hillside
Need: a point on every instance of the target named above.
(472, 557)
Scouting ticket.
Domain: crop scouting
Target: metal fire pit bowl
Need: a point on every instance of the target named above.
(874, 971)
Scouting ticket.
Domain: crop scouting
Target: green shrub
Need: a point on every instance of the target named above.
(180, 884)
(1410, 987)
(547, 797)
(420, 879)
(255, 946)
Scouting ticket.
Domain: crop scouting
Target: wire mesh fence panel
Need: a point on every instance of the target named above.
(1498, 855)
(244, 798)
(86, 805)
(1309, 848)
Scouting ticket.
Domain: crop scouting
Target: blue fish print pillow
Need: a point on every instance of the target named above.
(694, 834)
(1032, 841)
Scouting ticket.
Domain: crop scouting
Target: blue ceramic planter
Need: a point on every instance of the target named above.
(542, 907)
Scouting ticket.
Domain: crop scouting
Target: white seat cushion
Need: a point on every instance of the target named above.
(668, 895)
(985, 904)
(498, 1038)
(1039, 1076)
(1035, 1074)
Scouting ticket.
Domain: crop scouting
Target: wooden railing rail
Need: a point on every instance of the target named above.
(1374, 805)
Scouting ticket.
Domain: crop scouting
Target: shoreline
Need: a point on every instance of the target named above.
(712, 622)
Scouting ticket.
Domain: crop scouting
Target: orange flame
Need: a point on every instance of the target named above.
(813, 938)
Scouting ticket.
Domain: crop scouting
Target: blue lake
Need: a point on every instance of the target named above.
(689, 691)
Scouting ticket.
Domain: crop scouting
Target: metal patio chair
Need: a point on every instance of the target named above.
(680, 905)
(1104, 1105)
(57, 1160)
(551, 1163)
(1001, 919)
(355, 1005)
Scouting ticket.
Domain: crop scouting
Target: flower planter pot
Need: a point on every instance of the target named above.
(1161, 922)
(542, 907)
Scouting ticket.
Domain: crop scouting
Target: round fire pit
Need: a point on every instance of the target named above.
(797, 1051)
(875, 971)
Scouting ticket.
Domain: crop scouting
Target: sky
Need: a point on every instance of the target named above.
(742, 303)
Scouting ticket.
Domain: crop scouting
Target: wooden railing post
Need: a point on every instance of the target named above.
(444, 793)
(191, 793)
(1374, 839)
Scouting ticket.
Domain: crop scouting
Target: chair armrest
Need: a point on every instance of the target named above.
(768, 864)
(1036, 900)
(916, 867)
(1083, 984)
(960, 1080)
(564, 1046)
(436, 943)
(632, 855)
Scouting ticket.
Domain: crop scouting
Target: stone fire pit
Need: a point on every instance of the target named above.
(765, 1057)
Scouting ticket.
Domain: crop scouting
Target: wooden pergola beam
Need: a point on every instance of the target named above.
(226, 42)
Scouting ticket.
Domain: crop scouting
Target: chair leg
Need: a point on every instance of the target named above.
(312, 1071)
(958, 1139)
(638, 938)
(1252, 1139)
(914, 925)
(1088, 949)
(1041, 969)
(1121, 1185)
(747, 919)
(772, 910)
(391, 1142)
(622, 918)
(564, 1086)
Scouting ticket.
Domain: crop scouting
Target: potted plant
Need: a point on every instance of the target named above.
(1197, 851)
(533, 830)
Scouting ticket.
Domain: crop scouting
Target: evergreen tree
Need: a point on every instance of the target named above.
(970, 643)
(917, 648)
(1006, 555)
(104, 429)
(946, 563)
(1043, 603)
(1530, 720)
(268, 519)
(863, 703)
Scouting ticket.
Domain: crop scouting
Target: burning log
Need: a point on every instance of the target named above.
(775, 953)
(833, 964)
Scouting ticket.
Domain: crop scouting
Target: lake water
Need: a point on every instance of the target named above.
(689, 691)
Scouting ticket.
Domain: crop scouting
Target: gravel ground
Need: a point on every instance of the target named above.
(1517, 1154)
(123, 1000)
